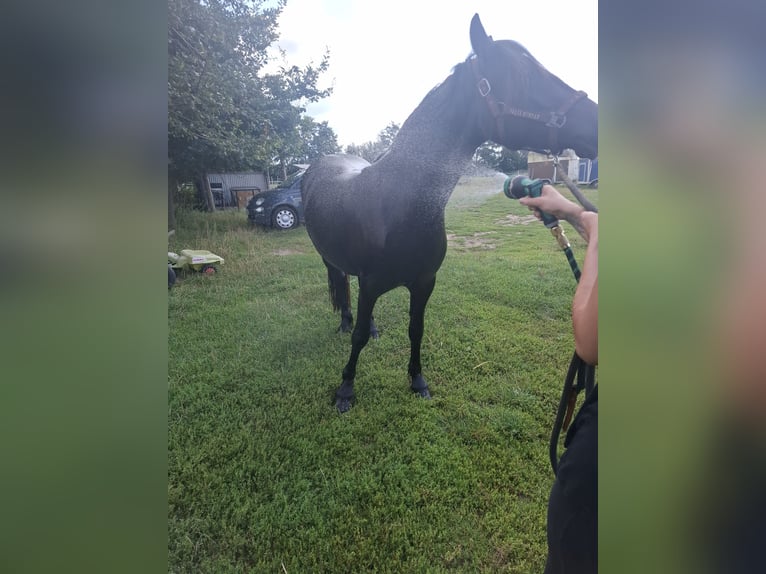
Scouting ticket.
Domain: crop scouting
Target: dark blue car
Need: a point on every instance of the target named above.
(280, 208)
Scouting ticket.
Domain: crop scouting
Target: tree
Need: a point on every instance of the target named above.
(372, 150)
(224, 112)
(308, 141)
(500, 158)
(320, 140)
(388, 133)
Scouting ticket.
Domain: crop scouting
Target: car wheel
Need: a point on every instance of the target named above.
(284, 218)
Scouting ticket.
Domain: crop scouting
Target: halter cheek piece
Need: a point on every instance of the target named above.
(553, 120)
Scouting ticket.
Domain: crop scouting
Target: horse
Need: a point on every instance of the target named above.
(383, 222)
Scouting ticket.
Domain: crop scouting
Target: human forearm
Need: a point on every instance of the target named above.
(552, 202)
(584, 222)
(585, 302)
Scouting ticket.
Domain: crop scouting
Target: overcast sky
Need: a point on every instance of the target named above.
(385, 56)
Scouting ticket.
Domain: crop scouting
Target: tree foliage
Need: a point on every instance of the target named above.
(303, 143)
(500, 158)
(372, 150)
(225, 112)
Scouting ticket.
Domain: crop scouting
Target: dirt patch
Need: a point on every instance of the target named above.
(475, 241)
(511, 219)
(283, 252)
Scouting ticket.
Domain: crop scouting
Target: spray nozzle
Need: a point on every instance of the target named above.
(521, 186)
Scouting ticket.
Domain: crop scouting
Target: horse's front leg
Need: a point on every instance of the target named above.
(359, 337)
(373, 327)
(420, 292)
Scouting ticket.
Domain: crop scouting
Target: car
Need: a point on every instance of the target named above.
(280, 208)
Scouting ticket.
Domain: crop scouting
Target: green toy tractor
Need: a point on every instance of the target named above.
(198, 260)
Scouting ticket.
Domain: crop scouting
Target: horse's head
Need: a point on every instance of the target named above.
(527, 107)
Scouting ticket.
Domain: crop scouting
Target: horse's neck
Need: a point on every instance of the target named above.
(435, 143)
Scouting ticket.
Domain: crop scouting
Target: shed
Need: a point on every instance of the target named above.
(579, 170)
(541, 166)
(235, 189)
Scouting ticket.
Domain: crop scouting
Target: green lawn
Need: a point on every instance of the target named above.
(266, 476)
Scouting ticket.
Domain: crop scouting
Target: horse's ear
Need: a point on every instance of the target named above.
(479, 39)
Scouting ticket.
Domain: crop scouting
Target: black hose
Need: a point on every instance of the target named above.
(553, 447)
(586, 378)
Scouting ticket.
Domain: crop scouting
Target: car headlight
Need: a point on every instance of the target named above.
(259, 201)
(259, 210)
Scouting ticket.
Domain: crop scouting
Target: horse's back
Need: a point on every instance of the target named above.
(339, 218)
(329, 173)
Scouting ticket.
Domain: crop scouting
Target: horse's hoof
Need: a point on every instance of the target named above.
(375, 335)
(418, 385)
(343, 405)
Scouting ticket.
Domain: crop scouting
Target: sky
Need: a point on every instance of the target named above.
(386, 56)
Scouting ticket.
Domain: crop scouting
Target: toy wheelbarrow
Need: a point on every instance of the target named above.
(197, 260)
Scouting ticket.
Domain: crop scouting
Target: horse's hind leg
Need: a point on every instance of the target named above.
(368, 295)
(340, 296)
(373, 327)
(420, 292)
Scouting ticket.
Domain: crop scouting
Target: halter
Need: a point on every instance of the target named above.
(553, 120)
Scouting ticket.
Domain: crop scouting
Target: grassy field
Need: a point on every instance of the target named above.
(265, 476)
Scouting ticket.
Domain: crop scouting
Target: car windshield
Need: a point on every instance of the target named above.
(290, 180)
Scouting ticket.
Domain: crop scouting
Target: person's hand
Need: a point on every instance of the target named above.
(551, 201)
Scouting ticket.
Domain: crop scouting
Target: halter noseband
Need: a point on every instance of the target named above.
(553, 120)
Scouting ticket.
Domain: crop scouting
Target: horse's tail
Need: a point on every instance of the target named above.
(340, 290)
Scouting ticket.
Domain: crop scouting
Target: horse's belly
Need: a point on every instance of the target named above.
(362, 228)
(348, 237)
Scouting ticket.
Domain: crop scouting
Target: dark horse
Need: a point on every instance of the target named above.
(384, 222)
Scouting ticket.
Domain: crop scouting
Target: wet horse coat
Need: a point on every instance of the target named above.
(384, 222)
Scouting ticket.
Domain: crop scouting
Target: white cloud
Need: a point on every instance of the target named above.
(385, 56)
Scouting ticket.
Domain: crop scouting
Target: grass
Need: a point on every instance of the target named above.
(265, 476)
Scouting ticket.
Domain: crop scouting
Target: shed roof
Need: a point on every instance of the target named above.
(239, 180)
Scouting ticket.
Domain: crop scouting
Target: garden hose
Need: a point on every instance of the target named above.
(580, 376)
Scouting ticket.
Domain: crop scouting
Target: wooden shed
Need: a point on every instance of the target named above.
(235, 189)
(541, 166)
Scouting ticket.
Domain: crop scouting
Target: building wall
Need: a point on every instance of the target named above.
(541, 166)
(232, 184)
(545, 169)
(243, 180)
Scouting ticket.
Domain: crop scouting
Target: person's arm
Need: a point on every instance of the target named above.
(551, 201)
(585, 302)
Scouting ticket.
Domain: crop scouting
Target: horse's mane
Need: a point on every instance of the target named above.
(462, 67)
(451, 98)
(444, 100)
(526, 54)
